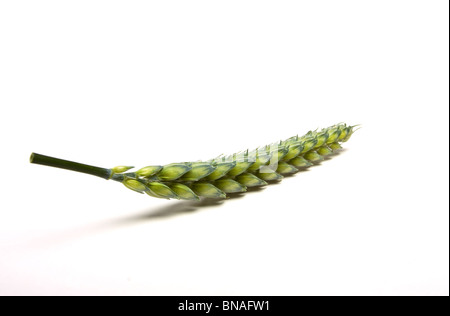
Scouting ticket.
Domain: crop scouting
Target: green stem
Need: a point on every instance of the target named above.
(70, 165)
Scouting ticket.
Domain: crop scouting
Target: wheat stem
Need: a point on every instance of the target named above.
(70, 165)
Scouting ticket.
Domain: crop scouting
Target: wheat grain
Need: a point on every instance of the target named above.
(235, 173)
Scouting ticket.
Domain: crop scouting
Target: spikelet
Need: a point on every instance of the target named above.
(218, 177)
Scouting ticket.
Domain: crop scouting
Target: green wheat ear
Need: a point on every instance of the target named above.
(218, 177)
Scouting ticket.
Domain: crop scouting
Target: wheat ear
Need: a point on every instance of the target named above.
(218, 177)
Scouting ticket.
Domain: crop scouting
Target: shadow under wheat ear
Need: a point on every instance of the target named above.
(215, 178)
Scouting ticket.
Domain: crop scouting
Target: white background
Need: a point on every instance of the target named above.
(139, 82)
